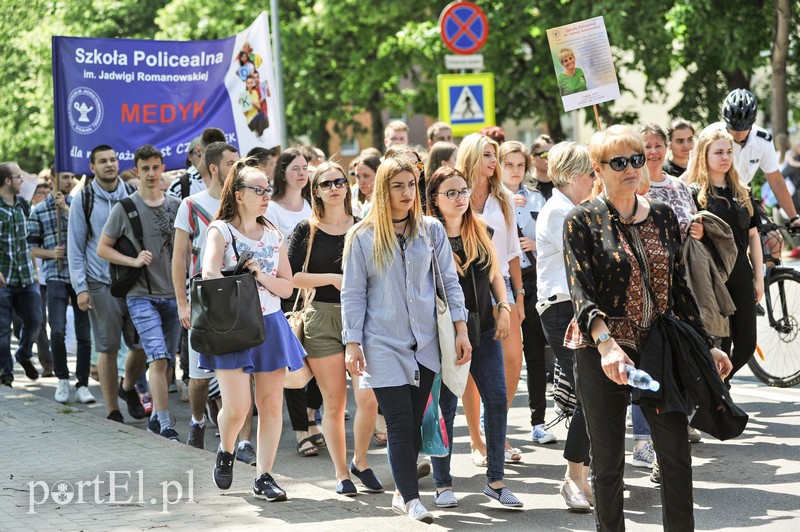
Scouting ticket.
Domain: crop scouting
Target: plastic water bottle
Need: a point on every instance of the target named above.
(641, 379)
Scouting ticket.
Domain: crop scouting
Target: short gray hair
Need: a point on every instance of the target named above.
(566, 161)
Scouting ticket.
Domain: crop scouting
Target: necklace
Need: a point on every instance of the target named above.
(401, 236)
(615, 213)
(401, 219)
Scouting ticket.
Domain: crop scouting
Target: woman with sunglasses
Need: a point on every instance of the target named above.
(624, 265)
(477, 161)
(241, 227)
(539, 151)
(717, 188)
(389, 316)
(571, 169)
(325, 231)
(478, 274)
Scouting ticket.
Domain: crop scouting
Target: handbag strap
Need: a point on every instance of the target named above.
(528, 254)
(436, 270)
(472, 276)
(307, 293)
(233, 241)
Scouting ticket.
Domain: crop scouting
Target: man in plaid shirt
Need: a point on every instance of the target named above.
(48, 241)
(19, 291)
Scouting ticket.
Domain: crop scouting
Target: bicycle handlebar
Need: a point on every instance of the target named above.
(768, 226)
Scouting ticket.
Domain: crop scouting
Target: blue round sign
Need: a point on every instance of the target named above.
(464, 27)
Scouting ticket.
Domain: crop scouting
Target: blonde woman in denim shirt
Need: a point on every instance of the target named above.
(389, 316)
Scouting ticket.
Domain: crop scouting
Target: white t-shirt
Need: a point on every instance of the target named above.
(287, 220)
(551, 274)
(757, 152)
(266, 250)
(194, 216)
(505, 240)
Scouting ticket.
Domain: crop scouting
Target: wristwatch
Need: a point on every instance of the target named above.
(519, 292)
(604, 337)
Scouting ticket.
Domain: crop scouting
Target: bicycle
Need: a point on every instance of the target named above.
(776, 361)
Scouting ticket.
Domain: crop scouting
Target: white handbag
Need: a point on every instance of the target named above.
(453, 376)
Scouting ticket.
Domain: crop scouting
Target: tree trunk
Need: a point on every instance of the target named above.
(780, 51)
(376, 123)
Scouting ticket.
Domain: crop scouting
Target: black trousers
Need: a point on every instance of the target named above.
(298, 400)
(533, 344)
(741, 344)
(604, 404)
(555, 320)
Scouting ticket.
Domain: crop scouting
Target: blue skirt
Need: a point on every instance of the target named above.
(281, 349)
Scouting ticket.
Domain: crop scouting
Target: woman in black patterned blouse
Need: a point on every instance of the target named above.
(614, 310)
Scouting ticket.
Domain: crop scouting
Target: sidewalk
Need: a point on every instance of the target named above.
(111, 476)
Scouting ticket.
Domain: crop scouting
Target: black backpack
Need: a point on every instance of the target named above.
(87, 201)
(123, 277)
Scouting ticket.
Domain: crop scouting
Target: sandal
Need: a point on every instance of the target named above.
(381, 438)
(513, 456)
(318, 440)
(311, 450)
(479, 459)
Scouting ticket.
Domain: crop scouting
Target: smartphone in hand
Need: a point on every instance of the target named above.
(244, 256)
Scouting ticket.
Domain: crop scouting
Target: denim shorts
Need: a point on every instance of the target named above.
(156, 321)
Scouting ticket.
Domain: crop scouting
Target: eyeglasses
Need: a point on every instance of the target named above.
(453, 195)
(542, 154)
(619, 164)
(339, 182)
(260, 191)
(420, 166)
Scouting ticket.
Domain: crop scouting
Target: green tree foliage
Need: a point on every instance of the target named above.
(344, 57)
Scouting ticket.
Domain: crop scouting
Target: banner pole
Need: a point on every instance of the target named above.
(597, 118)
(276, 47)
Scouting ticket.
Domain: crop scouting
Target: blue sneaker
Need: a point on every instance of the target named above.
(542, 435)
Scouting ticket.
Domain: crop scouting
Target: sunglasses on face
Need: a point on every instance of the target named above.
(542, 154)
(453, 195)
(619, 164)
(260, 191)
(339, 182)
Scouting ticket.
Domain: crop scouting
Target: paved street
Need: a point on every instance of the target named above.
(66, 454)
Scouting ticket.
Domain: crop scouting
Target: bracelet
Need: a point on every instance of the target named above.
(793, 219)
(503, 304)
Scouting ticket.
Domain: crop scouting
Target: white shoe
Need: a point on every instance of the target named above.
(83, 395)
(398, 505)
(62, 391)
(414, 509)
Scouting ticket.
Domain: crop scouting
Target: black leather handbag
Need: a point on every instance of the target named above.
(226, 313)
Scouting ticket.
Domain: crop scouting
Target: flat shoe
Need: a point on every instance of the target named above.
(446, 499)
(347, 488)
(575, 499)
(513, 456)
(478, 459)
(503, 496)
(367, 478)
(307, 451)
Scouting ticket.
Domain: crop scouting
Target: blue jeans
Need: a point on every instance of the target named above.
(488, 372)
(403, 407)
(156, 321)
(641, 429)
(26, 302)
(59, 295)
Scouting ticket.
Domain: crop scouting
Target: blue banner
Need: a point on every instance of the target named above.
(126, 93)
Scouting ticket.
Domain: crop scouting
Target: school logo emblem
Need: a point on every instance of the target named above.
(85, 110)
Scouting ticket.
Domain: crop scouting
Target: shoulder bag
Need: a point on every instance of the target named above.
(226, 312)
(453, 376)
(299, 378)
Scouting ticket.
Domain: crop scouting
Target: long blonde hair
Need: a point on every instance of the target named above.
(384, 246)
(698, 172)
(468, 162)
(478, 245)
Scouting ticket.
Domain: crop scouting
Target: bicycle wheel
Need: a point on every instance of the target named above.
(776, 361)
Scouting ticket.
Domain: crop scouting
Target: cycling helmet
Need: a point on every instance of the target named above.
(739, 110)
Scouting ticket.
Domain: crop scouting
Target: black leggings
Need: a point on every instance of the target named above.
(743, 322)
(533, 344)
(298, 400)
(403, 407)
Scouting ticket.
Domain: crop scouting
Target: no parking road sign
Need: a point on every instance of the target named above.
(466, 101)
(464, 27)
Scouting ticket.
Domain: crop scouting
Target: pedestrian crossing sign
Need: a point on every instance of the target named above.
(466, 101)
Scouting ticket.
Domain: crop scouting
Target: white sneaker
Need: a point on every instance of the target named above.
(83, 395)
(62, 391)
(416, 511)
(644, 456)
(398, 505)
(542, 435)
